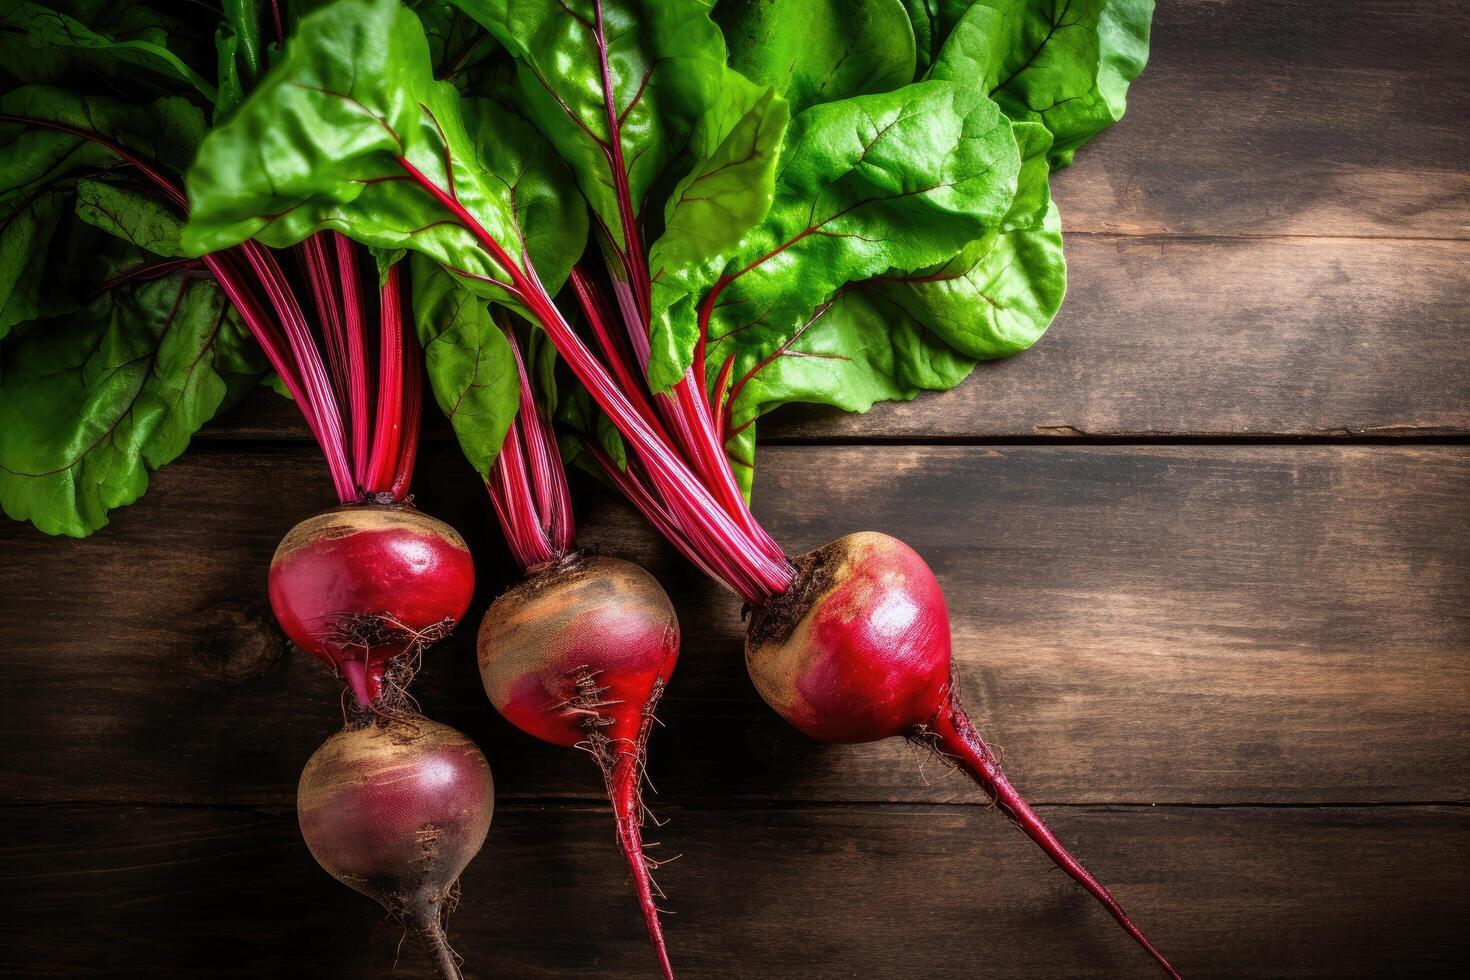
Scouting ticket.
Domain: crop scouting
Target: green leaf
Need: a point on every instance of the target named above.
(666, 60)
(815, 51)
(231, 88)
(895, 181)
(541, 360)
(39, 170)
(456, 42)
(139, 219)
(1064, 63)
(320, 141)
(132, 37)
(582, 414)
(892, 336)
(725, 194)
(471, 368)
(90, 402)
(242, 18)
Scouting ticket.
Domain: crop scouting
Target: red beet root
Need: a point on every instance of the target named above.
(361, 584)
(395, 808)
(858, 649)
(577, 655)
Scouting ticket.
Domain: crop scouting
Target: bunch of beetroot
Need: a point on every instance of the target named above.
(635, 227)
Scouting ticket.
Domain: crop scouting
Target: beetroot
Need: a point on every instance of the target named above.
(858, 649)
(577, 654)
(395, 807)
(361, 584)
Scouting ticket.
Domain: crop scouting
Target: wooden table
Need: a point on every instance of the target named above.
(1206, 551)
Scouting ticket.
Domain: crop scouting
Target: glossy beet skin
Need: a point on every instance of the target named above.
(395, 808)
(578, 655)
(361, 584)
(593, 624)
(858, 649)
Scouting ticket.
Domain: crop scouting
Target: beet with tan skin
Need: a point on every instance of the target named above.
(579, 651)
(395, 807)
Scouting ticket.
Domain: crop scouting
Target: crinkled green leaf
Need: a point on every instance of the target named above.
(457, 43)
(91, 402)
(892, 336)
(471, 368)
(895, 181)
(666, 59)
(317, 145)
(815, 51)
(137, 218)
(1064, 63)
(580, 413)
(40, 42)
(726, 193)
(39, 169)
(26, 230)
(240, 54)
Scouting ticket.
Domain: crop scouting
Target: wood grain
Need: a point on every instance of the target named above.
(1139, 625)
(888, 892)
(1288, 117)
(1222, 337)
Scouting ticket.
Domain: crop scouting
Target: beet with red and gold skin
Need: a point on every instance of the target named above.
(577, 655)
(602, 621)
(361, 584)
(858, 649)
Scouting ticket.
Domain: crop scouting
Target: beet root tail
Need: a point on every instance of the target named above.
(953, 736)
(431, 933)
(624, 790)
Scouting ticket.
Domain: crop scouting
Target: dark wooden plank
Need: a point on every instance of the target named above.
(1181, 338)
(875, 891)
(1170, 624)
(1218, 337)
(1295, 117)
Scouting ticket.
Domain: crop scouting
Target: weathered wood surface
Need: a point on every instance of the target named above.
(1136, 625)
(1273, 245)
(887, 892)
(1288, 117)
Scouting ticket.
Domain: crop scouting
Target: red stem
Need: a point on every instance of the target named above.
(318, 390)
(759, 575)
(319, 275)
(595, 307)
(627, 803)
(543, 462)
(958, 740)
(632, 250)
(359, 369)
(510, 492)
(631, 486)
(722, 389)
(687, 412)
(413, 410)
(388, 427)
(527, 483)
